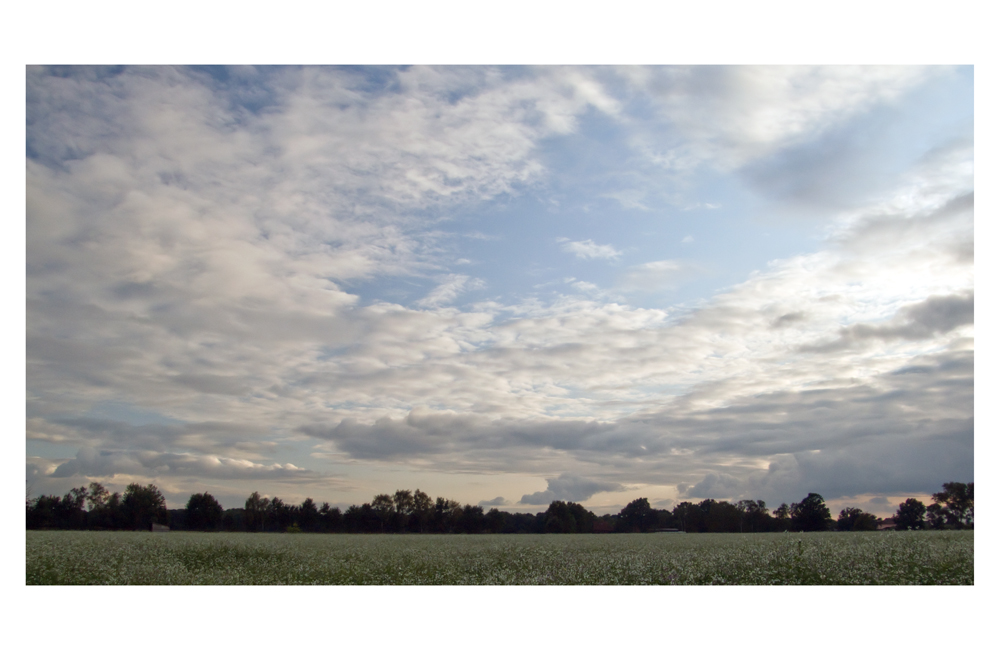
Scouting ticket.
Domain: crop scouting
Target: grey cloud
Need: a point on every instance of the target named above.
(498, 501)
(713, 486)
(567, 487)
(788, 319)
(934, 316)
(98, 463)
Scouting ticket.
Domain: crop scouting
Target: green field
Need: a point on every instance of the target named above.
(176, 558)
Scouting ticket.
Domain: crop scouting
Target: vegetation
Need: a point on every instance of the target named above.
(897, 558)
(415, 512)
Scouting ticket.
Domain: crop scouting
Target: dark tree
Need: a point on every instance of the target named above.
(423, 511)
(936, 518)
(637, 517)
(384, 507)
(856, 519)
(203, 512)
(754, 517)
(255, 512)
(330, 519)
(721, 516)
(495, 520)
(280, 516)
(447, 515)
(958, 503)
(308, 516)
(562, 517)
(811, 514)
(689, 517)
(143, 506)
(910, 515)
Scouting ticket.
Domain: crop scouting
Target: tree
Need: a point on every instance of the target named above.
(637, 516)
(783, 518)
(936, 518)
(562, 517)
(856, 519)
(142, 506)
(330, 519)
(308, 516)
(423, 510)
(958, 503)
(255, 512)
(384, 507)
(279, 515)
(811, 514)
(754, 516)
(203, 512)
(910, 515)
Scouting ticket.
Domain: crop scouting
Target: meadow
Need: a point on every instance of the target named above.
(183, 558)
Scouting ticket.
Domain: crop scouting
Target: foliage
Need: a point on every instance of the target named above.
(910, 515)
(142, 506)
(856, 519)
(811, 514)
(203, 512)
(957, 503)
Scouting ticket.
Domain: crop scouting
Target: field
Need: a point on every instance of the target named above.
(134, 558)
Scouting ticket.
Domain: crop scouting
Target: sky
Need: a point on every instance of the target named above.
(501, 285)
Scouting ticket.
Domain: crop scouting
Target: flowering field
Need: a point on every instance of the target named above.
(885, 558)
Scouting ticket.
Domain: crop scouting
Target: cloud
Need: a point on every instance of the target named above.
(449, 289)
(91, 462)
(924, 320)
(195, 244)
(588, 250)
(567, 487)
(730, 115)
(655, 276)
(499, 501)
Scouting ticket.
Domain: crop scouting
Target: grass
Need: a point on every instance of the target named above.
(180, 558)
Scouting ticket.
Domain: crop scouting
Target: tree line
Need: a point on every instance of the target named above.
(405, 511)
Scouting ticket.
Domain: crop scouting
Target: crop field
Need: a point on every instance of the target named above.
(180, 558)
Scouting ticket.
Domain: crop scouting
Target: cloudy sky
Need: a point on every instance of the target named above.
(501, 285)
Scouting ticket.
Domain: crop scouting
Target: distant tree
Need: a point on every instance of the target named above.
(688, 516)
(495, 520)
(637, 516)
(721, 516)
(754, 517)
(308, 516)
(203, 512)
(958, 503)
(782, 518)
(562, 517)
(811, 514)
(255, 512)
(423, 511)
(331, 520)
(856, 519)
(472, 520)
(279, 515)
(97, 497)
(42, 511)
(402, 501)
(936, 518)
(910, 515)
(447, 515)
(384, 508)
(234, 520)
(143, 506)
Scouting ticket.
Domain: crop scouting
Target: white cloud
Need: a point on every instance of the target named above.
(193, 259)
(449, 289)
(588, 250)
